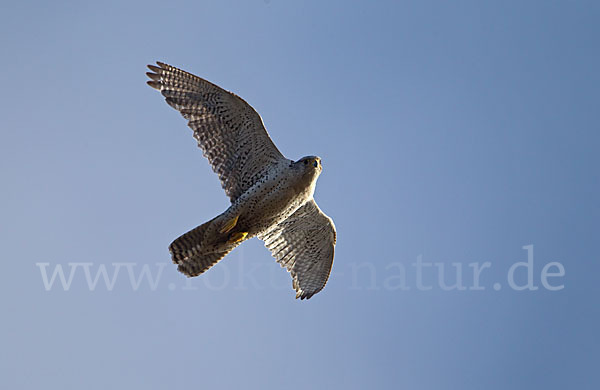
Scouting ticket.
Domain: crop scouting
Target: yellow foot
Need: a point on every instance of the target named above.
(229, 225)
(237, 237)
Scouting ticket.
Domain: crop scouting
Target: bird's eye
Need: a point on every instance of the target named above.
(305, 162)
(315, 163)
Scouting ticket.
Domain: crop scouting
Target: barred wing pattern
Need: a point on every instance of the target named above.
(228, 130)
(304, 244)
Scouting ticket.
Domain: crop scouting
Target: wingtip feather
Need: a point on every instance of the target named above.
(154, 84)
(153, 76)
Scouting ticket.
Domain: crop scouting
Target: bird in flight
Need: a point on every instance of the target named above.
(271, 196)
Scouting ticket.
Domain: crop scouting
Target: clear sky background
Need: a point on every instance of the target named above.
(451, 132)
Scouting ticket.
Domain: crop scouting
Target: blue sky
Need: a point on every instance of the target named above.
(452, 133)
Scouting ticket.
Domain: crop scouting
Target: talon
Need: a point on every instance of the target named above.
(237, 237)
(229, 225)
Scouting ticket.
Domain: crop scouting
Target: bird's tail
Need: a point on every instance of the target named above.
(187, 251)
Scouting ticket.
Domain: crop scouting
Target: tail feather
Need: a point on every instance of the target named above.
(186, 251)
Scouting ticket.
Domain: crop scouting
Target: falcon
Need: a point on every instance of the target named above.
(271, 196)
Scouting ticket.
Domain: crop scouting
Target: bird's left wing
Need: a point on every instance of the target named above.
(304, 244)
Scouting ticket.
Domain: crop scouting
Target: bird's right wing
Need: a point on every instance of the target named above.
(304, 244)
(228, 130)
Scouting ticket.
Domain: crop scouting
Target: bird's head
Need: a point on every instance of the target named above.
(311, 165)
